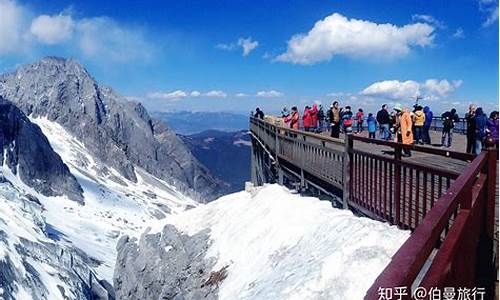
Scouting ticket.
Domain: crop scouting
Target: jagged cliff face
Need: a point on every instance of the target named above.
(28, 153)
(119, 133)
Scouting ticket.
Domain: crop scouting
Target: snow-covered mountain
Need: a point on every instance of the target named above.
(52, 247)
(99, 201)
(265, 243)
(118, 132)
(113, 206)
(81, 167)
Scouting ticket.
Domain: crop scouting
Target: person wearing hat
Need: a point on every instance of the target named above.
(404, 124)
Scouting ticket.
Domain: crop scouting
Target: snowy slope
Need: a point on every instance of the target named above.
(34, 266)
(278, 245)
(113, 205)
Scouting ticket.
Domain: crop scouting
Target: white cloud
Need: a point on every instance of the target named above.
(459, 33)
(269, 94)
(393, 89)
(180, 94)
(241, 95)
(440, 88)
(492, 17)
(175, 95)
(227, 47)
(103, 39)
(490, 8)
(431, 89)
(429, 19)
(12, 19)
(248, 45)
(338, 35)
(216, 94)
(52, 29)
(106, 39)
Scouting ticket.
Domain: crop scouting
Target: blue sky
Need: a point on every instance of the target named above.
(235, 55)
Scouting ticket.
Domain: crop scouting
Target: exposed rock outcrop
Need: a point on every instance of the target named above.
(28, 153)
(166, 265)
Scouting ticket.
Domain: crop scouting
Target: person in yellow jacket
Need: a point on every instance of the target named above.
(419, 119)
(405, 134)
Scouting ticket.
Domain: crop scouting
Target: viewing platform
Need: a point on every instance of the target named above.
(447, 198)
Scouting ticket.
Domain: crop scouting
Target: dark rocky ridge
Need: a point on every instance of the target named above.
(28, 152)
(119, 133)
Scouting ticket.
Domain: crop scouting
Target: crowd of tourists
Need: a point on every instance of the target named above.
(399, 124)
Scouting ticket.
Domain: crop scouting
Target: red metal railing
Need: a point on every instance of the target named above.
(462, 255)
(396, 190)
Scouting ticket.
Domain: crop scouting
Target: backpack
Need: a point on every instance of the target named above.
(448, 122)
(348, 122)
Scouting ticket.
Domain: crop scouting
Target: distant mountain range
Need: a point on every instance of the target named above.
(225, 154)
(186, 123)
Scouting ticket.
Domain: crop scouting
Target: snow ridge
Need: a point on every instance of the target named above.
(279, 245)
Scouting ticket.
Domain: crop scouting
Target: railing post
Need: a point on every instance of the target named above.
(347, 164)
(397, 184)
(302, 154)
(490, 194)
(486, 270)
(277, 152)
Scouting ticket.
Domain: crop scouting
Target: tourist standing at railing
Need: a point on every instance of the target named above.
(384, 121)
(334, 116)
(321, 118)
(259, 114)
(493, 126)
(419, 117)
(293, 118)
(470, 117)
(347, 119)
(449, 119)
(372, 126)
(359, 120)
(307, 118)
(403, 128)
(427, 125)
(314, 118)
(481, 126)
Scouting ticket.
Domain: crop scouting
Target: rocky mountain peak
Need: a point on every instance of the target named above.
(120, 133)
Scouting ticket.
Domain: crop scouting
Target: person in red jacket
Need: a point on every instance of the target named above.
(307, 118)
(359, 120)
(293, 118)
(314, 118)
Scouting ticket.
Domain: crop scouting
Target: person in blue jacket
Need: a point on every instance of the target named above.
(372, 126)
(481, 125)
(427, 125)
